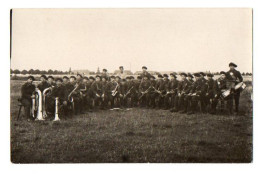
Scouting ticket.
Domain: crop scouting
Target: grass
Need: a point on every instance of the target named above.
(138, 135)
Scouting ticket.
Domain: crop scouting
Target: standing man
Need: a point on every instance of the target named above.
(233, 78)
(27, 94)
(121, 73)
(97, 91)
(172, 90)
(51, 81)
(144, 91)
(145, 73)
(210, 90)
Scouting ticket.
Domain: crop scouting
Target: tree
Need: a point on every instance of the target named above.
(16, 71)
(44, 72)
(24, 72)
(31, 71)
(37, 71)
(11, 71)
(50, 71)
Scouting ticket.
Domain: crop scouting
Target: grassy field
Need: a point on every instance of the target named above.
(138, 135)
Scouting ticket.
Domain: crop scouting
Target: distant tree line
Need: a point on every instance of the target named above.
(37, 71)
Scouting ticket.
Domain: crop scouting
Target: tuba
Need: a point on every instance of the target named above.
(44, 93)
(39, 107)
(56, 109)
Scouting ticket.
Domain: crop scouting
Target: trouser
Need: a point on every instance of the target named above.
(237, 97)
(203, 102)
(128, 100)
(144, 100)
(27, 103)
(101, 102)
(215, 101)
(115, 101)
(183, 102)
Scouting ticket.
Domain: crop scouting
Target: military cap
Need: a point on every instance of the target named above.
(98, 76)
(59, 79)
(152, 77)
(132, 77)
(232, 64)
(223, 72)
(139, 77)
(73, 77)
(160, 76)
(105, 70)
(44, 76)
(128, 77)
(123, 80)
(183, 74)
(172, 74)
(118, 77)
(31, 77)
(85, 78)
(196, 74)
(91, 77)
(121, 67)
(144, 67)
(210, 75)
(79, 75)
(112, 77)
(51, 77)
(190, 75)
(202, 73)
(165, 75)
(65, 77)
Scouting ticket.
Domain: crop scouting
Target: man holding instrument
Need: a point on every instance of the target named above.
(144, 88)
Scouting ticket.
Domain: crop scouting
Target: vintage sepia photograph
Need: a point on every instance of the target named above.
(131, 85)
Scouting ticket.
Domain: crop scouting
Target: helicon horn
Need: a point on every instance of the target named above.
(39, 111)
(56, 109)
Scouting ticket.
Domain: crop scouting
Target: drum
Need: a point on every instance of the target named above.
(226, 93)
(240, 86)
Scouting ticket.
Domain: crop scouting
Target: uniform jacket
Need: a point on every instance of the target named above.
(60, 92)
(144, 85)
(27, 90)
(43, 85)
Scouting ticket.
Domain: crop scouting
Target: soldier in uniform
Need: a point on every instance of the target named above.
(77, 95)
(144, 88)
(65, 80)
(203, 98)
(179, 103)
(113, 94)
(210, 89)
(233, 78)
(97, 91)
(60, 92)
(161, 89)
(104, 92)
(43, 84)
(153, 94)
(122, 92)
(27, 94)
(105, 74)
(90, 93)
(85, 105)
(190, 77)
(172, 89)
(121, 73)
(145, 73)
(195, 93)
(129, 92)
(220, 86)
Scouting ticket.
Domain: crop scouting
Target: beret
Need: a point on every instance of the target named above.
(91, 77)
(172, 74)
(196, 74)
(121, 67)
(152, 77)
(118, 77)
(59, 79)
(44, 76)
(85, 78)
(165, 75)
(160, 76)
(139, 77)
(51, 77)
(105, 70)
(98, 76)
(232, 64)
(72, 77)
(65, 77)
(144, 67)
(223, 72)
(202, 73)
(31, 77)
(183, 74)
(190, 75)
(79, 75)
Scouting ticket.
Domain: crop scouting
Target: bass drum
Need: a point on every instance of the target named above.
(240, 86)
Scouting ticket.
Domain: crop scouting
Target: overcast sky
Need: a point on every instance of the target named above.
(162, 39)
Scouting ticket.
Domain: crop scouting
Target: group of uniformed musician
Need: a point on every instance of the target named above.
(197, 92)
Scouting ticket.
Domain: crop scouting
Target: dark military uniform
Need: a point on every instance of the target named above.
(43, 85)
(218, 88)
(153, 94)
(27, 91)
(96, 87)
(233, 78)
(210, 91)
(144, 97)
(182, 90)
(104, 94)
(162, 87)
(114, 100)
(128, 93)
(172, 91)
(61, 93)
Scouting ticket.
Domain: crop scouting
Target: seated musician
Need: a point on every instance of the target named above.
(59, 92)
(27, 94)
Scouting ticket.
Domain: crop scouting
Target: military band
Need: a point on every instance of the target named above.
(193, 93)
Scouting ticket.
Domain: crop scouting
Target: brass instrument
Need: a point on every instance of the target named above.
(39, 108)
(56, 109)
(128, 92)
(114, 92)
(44, 93)
(146, 91)
(76, 86)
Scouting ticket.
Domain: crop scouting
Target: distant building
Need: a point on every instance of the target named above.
(82, 71)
